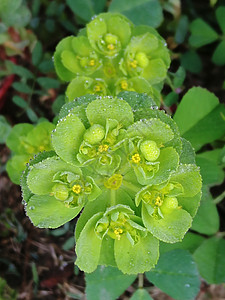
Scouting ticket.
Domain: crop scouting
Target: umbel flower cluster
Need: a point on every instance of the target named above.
(112, 55)
(122, 164)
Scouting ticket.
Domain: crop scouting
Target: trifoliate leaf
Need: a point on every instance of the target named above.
(201, 33)
(206, 220)
(205, 121)
(218, 55)
(141, 294)
(220, 17)
(107, 283)
(211, 261)
(176, 274)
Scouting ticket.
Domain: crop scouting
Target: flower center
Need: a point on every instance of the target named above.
(103, 148)
(77, 189)
(136, 158)
(114, 182)
(124, 84)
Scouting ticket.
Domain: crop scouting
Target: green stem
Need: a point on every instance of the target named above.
(219, 198)
(140, 280)
(131, 186)
(113, 197)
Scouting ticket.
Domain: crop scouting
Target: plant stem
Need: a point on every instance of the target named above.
(140, 280)
(219, 198)
(113, 198)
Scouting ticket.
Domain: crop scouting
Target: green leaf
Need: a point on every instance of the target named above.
(40, 176)
(220, 12)
(20, 102)
(47, 212)
(37, 54)
(16, 165)
(207, 219)
(211, 260)
(5, 129)
(201, 33)
(144, 12)
(218, 55)
(179, 77)
(18, 70)
(140, 257)
(19, 18)
(176, 274)
(86, 9)
(62, 72)
(190, 242)
(182, 29)
(88, 246)
(67, 137)
(22, 87)
(26, 193)
(90, 209)
(171, 99)
(190, 179)
(191, 61)
(48, 83)
(153, 129)
(7, 7)
(15, 138)
(138, 102)
(58, 103)
(107, 283)
(46, 66)
(31, 115)
(211, 172)
(141, 294)
(205, 122)
(171, 228)
(166, 119)
(109, 108)
(188, 153)
(169, 160)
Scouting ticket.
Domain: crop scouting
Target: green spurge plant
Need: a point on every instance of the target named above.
(112, 55)
(124, 163)
(24, 141)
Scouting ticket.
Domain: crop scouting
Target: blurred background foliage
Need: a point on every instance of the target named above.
(38, 264)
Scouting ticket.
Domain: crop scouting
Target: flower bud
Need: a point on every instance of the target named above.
(150, 150)
(142, 59)
(94, 134)
(60, 191)
(169, 204)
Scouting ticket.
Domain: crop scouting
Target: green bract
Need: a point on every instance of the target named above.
(126, 165)
(110, 56)
(24, 141)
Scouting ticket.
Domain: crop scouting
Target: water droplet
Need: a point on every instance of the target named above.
(31, 207)
(187, 285)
